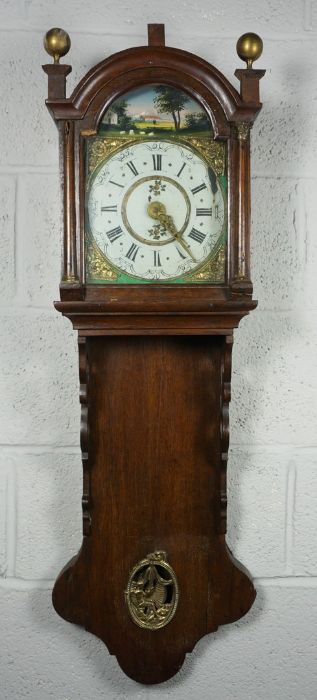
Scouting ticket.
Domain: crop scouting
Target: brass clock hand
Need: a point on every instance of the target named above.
(157, 211)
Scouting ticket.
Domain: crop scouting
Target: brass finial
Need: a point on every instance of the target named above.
(249, 48)
(56, 43)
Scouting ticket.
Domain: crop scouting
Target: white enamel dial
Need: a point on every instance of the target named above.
(155, 210)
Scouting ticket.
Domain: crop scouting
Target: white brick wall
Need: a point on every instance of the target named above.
(273, 459)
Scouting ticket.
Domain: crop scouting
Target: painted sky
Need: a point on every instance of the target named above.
(141, 102)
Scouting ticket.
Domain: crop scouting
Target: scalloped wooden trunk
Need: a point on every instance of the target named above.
(156, 481)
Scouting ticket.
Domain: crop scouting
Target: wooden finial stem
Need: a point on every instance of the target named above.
(250, 84)
(56, 73)
(156, 34)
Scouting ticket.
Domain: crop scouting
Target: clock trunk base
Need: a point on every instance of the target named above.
(154, 470)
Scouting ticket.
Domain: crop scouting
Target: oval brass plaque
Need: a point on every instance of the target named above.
(152, 592)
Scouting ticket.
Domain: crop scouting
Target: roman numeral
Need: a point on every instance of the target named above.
(116, 183)
(132, 167)
(217, 212)
(181, 254)
(198, 236)
(181, 170)
(203, 212)
(114, 208)
(132, 252)
(157, 161)
(199, 188)
(157, 261)
(114, 233)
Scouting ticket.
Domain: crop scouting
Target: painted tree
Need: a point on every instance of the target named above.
(197, 121)
(168, 100)
(120, 108)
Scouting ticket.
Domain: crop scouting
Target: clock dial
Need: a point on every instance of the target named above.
(155, 210)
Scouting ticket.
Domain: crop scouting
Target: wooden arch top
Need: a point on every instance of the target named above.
(134, 67)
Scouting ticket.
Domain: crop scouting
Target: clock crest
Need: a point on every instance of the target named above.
(155, 164)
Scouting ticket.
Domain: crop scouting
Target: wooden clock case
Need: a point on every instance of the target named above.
(155, 371)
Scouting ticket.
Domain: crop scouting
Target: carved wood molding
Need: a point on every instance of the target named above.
(84, 432)
(224, 427)
(240, 202)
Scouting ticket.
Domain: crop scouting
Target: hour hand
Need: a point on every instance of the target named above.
(157, 210)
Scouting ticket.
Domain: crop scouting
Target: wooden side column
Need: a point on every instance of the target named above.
(241, 193)
(69, 273)
(241, 263)
(57, 44)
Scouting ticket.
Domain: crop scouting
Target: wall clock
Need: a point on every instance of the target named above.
(155, 148)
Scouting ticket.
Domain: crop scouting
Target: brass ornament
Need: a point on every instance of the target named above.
(213, 271)
(243, 130)
(100, 148)
(241, 275)
(70, 279)
(249, 48)
(57, 43)
(214, 152)
(152, 592)
(97, 266)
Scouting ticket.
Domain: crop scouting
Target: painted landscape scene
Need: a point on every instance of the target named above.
(155, 110)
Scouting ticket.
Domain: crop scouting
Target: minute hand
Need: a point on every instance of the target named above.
(168, 223)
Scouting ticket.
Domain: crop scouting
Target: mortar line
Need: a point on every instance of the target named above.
(305, 35)
(41, 449)
(15, 238)
(23, 8)
(291, 313)
(20, 584)
(21, 168)
(26, 168)
(287, 581)
(289, 514)
(306, 229)
(273, 176)
(286, 449)
(12, 583)
(307, 18)
(11, 518)
(20, 271)
(32, 309)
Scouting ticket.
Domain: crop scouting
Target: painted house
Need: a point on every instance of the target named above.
(110, 117)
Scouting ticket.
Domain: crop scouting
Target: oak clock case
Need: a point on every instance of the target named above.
(155, 165)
